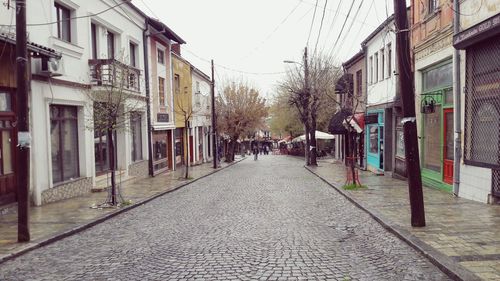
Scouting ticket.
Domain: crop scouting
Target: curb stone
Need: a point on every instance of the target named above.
(454, 270)
(30, 246)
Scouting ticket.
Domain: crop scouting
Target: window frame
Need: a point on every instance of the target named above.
(389, 60)
(59, 9)
(111, 48)
(162, 57)
(382, 64)
(376, 67)
(133, 47)
(371, 69)
(93, 40)
(136, 151)
(60, 119)
(161, 91)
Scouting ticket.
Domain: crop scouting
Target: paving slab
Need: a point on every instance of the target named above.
(56, 220)
(460, 234)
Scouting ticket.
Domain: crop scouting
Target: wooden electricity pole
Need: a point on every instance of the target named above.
(305, 107)
(409, 121)
(214, 131)
(23, 147)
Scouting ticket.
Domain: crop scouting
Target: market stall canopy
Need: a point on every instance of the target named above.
(285, 140)
(319, 136)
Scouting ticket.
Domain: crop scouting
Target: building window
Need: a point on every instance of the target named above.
(371, 69)
(64, 143)
(133, 54)
(359, 83)
(161, 56)
(136, 133)
(373, 139)
(111, 45)
(382, 64)
(63, 17)
(93, 34)
(389, 60)
(177, 84)
(433, 4)
(160, 150)
(161, 91)
(482, 105)
(375, 78)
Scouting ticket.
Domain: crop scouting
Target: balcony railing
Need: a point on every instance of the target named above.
(110, 72)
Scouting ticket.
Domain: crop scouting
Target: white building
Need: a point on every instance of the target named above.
(67, 157)
(384, 149)
(201, 124)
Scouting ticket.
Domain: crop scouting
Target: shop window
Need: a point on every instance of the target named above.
(64, 142)
(438, 77)
(136, 134)
(482, 105)
(160, 150)
(373, 139)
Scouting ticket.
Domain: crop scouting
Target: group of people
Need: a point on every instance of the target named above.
(263, 150)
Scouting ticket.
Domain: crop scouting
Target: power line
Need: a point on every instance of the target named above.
(342, 29)
(333, 23)
(350, 26)
(312, 23)
(72, 18)
(234, 69)
(341, 13)
(320, 26)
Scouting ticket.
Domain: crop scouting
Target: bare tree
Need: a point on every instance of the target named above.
(240, 110)
(307, 91)
(114, 99)
(184, 108)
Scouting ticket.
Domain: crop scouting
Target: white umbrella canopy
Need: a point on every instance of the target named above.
(319, 135)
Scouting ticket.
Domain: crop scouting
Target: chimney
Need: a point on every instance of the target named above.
(176, 48)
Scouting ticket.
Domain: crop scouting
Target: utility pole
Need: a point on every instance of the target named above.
(214, 131)
(409, 121)
(23, 153)
(305, 106)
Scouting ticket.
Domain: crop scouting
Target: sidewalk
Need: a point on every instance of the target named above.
(461, 236)
(54, 221)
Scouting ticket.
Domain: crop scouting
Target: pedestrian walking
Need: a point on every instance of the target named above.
(255, 153)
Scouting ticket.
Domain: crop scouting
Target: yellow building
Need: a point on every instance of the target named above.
(183, 109)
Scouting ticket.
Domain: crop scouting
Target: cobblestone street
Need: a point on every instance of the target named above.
(267, 220)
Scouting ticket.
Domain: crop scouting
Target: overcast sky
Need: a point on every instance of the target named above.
(250, 38)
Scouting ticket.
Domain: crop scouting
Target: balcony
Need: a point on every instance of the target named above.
(113, 73)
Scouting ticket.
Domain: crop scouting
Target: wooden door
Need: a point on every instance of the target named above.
(7, 161)
(448, 151)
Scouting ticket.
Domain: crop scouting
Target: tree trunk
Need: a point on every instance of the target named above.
(314, 151)
(352, 152)
(111, 156)
(307, 129)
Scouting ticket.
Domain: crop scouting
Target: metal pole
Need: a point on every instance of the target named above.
(145, 39)
(214, 131)
(306, 106)
(458, 107)
(406, 90)
(23, 153)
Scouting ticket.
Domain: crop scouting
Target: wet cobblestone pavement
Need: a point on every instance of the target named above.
(264, 220)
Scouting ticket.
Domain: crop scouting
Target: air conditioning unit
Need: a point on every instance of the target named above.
(51, 67)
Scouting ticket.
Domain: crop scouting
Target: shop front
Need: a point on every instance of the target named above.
(436, 108)
(375, 140)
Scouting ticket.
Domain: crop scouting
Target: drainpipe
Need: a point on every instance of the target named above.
(458, 109)
(148, 94)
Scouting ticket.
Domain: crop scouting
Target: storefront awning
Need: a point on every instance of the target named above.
(357, 122)
(336, 127)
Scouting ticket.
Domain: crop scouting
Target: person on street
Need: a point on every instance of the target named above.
(255, 152)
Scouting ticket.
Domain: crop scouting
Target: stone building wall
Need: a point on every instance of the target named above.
(68, 190)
